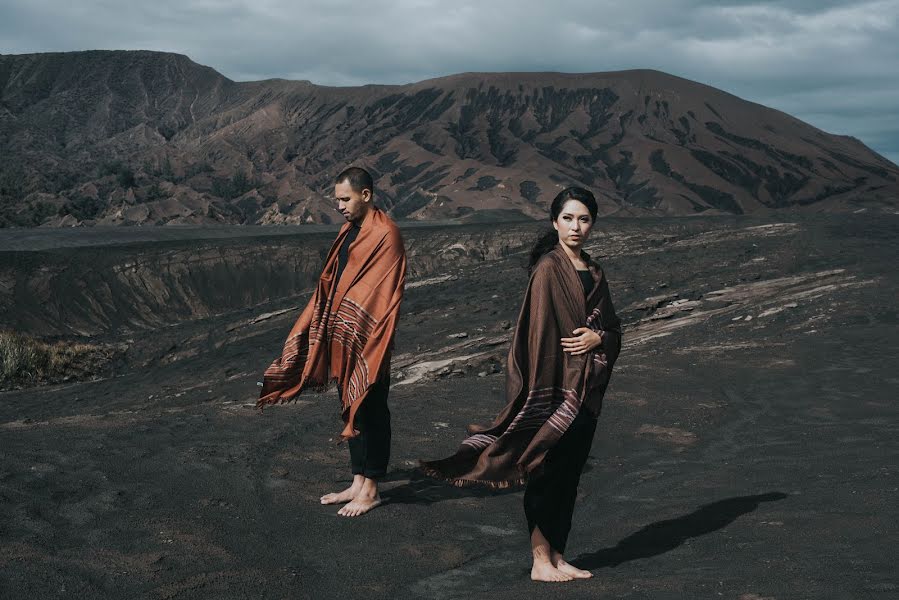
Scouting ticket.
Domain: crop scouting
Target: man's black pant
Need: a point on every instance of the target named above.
(370, 450)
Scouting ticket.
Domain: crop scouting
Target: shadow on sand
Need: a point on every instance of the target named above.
(425, 490)
(664, 536)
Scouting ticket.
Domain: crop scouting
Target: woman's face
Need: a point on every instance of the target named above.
(573, 224)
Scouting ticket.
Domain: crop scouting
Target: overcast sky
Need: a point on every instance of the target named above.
(833, 64)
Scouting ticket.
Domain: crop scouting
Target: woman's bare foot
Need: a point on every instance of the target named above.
(570, 569)
(544, 571)
(543, 568)
(365, 500)
(346, 495)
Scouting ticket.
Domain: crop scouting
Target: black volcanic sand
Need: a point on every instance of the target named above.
(735, 458)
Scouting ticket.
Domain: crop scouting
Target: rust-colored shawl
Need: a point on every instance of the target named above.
(545, 386)
(345, 334)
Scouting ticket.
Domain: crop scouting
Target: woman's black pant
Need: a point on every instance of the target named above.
(549, 497)
(370, 450)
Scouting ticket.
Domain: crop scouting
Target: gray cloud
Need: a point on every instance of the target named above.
(830, 63)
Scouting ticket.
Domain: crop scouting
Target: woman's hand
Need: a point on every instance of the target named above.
(586, 340)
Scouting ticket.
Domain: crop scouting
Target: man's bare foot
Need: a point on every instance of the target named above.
(359, 506)
(340, 497)
(544, 571)
(346, 495)
(365, 499)
(570, 569)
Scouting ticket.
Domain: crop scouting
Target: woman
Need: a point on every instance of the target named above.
(565, 344)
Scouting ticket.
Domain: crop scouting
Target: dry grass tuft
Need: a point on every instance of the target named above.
(26, 362)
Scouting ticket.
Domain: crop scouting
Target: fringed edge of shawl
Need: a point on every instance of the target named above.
(461, 483)
(313, 386)
(316, 387)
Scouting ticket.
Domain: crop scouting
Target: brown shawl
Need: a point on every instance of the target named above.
(345, 334)
(545, 386)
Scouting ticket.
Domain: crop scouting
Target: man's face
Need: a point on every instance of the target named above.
(352, 204)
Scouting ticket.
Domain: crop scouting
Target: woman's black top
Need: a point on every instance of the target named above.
(587, 281)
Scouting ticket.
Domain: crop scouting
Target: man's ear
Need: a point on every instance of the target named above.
(366, 195)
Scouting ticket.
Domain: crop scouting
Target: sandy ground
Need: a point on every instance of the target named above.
(736, 457)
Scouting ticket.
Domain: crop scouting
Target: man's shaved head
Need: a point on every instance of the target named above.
(358, 178)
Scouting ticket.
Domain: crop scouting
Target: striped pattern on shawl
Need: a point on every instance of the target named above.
(546, 387)
(349, 345)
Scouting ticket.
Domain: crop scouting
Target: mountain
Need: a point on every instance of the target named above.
(136, 137)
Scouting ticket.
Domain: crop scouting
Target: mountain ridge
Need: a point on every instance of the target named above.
(141, 137)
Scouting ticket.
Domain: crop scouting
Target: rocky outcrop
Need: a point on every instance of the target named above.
(122, 288)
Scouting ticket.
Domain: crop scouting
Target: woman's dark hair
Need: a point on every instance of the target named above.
(548, 240)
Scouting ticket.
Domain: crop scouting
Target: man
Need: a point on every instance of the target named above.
(345, 334)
